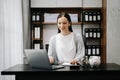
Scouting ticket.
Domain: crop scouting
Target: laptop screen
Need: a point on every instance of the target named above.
(38, 58)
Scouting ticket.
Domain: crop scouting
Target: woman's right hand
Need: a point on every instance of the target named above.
(51, 60)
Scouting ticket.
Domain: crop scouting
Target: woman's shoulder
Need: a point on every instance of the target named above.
(78, 35)
(53, 37)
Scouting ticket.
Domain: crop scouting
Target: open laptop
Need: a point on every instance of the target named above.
(39, 59)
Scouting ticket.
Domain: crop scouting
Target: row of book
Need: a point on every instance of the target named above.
(92, 33)
(35, 16)
(92, 50)
(36, 45)
(36, 31)
(92, 16)
(51, 17)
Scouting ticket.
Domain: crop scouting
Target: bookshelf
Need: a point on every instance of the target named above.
(92, 34)
(48, 16)
(91, 17)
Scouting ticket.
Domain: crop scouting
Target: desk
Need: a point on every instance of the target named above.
(109, 71)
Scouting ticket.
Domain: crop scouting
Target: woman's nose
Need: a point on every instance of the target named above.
(62, 25)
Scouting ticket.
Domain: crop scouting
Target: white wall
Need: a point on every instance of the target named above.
(92, 3)
(113, 31)
(56, 3)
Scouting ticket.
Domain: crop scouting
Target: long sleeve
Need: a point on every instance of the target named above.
(51, 49)
(80, 48)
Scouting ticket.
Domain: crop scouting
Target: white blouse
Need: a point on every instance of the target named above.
(65, 47)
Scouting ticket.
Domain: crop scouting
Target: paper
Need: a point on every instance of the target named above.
(37, 46)
(37, 33)
(50, 17)
(66, 64)
(74, 17)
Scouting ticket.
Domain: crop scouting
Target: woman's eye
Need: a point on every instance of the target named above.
(62, 23)
(59, 23)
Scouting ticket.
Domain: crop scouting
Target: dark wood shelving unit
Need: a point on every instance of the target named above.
(80, 22)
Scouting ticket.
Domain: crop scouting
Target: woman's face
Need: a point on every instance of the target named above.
(63, 24)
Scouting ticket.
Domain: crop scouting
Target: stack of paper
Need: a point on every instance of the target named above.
(50, 17)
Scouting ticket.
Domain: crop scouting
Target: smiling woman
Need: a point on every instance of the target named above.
(64, 21)
(66, 46)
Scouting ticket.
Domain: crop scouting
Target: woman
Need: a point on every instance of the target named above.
(66, 46)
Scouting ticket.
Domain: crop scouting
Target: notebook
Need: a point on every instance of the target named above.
(39, 59)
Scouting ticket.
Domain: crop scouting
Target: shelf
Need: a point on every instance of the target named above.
(93, 38)
(36, 39)
(54, 23)
(35, 22)
(93, 17)
(92, 8)
(92, 22)
(73, 23)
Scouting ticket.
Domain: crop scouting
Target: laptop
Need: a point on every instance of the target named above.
(39, 59)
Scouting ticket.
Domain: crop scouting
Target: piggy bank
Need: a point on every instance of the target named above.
(94, 61)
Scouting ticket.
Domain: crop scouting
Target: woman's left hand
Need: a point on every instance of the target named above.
(74, 62)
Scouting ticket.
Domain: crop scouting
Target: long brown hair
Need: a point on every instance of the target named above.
(66, 15)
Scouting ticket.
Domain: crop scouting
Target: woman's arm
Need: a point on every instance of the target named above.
(51, 50)
(80, 48)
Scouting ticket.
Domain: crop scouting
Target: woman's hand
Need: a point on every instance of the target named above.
(51, 60)
(74, 62)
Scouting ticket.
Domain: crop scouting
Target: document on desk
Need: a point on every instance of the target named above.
(67, 64)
